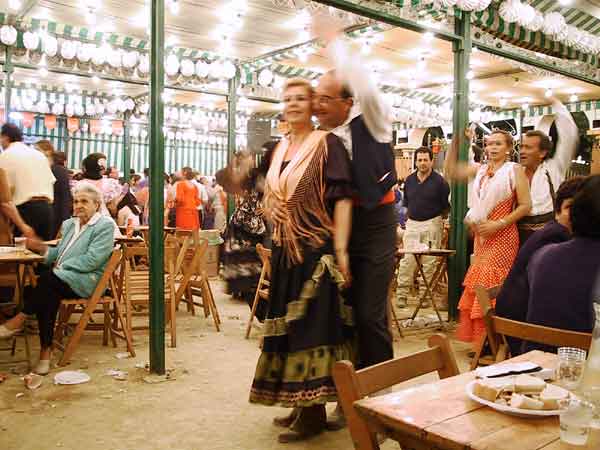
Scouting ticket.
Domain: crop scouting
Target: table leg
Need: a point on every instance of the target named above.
(421, 298)
(428, 288)
(20, 283)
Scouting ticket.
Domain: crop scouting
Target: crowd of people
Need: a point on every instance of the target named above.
(326, 201)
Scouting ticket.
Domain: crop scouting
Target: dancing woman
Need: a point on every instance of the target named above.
(309, 324)
(500, 198)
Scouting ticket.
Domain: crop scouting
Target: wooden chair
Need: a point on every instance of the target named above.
(353, 385)
(88, 306)
(264, 283)
(192, 276)
(136, 289)
(392, 316)
(499, 328)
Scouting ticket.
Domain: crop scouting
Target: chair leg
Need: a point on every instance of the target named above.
(173, 324)
(126, 330)
(254, 305)
(209, 299)
(74, 340)
(105, 332)
(478, 352)
(27, 349)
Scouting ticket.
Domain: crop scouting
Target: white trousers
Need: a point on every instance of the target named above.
(413, 235)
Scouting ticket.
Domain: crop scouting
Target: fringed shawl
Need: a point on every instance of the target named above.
(300, 190)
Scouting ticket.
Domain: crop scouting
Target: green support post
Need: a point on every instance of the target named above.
(126, 163)
(457, 265)
(157, 165)
(8, 70)
(231, 110)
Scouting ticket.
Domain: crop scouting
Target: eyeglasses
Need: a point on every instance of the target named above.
(296, 98)
(325, 99)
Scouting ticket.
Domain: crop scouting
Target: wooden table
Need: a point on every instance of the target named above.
(21, 259)
(430, 285)
(440, 416)
(145, 230)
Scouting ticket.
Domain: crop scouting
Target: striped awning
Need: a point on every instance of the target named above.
(575, 17)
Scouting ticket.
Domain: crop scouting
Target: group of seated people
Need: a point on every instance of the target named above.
(556, 276)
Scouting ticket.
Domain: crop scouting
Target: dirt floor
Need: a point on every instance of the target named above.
(205, 407)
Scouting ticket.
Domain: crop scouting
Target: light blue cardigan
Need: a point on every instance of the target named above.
(83, 263)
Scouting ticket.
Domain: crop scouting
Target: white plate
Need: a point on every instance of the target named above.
(71, 377)
(7, 249)
(509, 409)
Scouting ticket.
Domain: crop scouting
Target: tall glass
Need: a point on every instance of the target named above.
(590, 383)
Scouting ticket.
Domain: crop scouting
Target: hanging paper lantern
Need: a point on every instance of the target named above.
(171, 135)
(50, 45)
(130, 59)
(58, 109)
(129, 104)
(43, 107)
(179, 135)
(202, 69)
(114, 58)
(265, 77)
(510, 10)
(31, 40)
(537, 23)
(228, 70)
(215, 70)
(187, 68)
(8, 35)
(78, 109)
(144, 65)
(526, 15)
(90, 109)
(27, 103)
(222, 122)
(144, 108)
(555, 25)
(85, 52)
(172, 65)
(482, 5)
(68, 49)
(175, 114)
(100, 109)
(111, 107)
(99, 56)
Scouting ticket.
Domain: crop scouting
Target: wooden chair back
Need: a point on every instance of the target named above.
(498, 328)
(353, 385)
(264, 283)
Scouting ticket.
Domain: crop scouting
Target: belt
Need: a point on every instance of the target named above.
(388, 198)
(541, 219)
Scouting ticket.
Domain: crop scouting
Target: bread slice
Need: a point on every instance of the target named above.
(490, 388)
(527, 384)
(552, 395)
(523, 402)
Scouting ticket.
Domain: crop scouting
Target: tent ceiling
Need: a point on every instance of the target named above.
(267, 27)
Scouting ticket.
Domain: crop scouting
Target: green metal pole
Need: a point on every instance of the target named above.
(8, 70)
(157, 165)
(457, 265)
(231, 110)
(126, 163)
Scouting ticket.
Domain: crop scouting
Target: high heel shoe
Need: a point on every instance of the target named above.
(7, 333)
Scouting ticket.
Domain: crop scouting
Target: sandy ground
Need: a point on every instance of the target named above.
(205, 407)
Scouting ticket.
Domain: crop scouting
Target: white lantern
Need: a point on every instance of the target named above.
(144, 65)
(99, 56)
(144, 108)
(172, 65)
(50, 46)
(100, 109)
(27, 103)
(187, 68)
(58, 109)
(228, 70)
(130, 59)
(171, 135)
(85, 52)
(265, 77)
(79, 110)
(537, 23)
(31, 40)
(112, 107)
(43, 107)
(121, 107)
(70, 110)
(90, 109)
(202, 69)
(215, 70)
(114, 58)
(179, 135)
(129, 104)
(8, 35)
(68, 50)
(212, 139)
(555, 25)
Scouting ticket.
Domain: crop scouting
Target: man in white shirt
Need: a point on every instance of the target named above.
(546, 173)
(30, 179)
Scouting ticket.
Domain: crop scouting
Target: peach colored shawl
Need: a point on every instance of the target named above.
(300, 189)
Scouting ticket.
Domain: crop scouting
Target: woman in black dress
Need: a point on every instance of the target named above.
(309, 324)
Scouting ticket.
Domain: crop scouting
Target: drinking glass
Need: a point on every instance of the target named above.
(425, 238)
(575, 418)
(592, 395)
(20, 244)
(571, 362)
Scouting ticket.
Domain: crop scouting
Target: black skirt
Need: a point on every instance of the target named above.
(309, 327)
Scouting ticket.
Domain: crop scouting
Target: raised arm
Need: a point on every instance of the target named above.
(568, 136)
(458, 170)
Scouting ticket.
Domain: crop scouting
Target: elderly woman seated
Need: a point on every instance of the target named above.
(74, 268)
(562, 276)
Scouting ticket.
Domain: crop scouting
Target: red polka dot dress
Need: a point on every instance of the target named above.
(493, 258)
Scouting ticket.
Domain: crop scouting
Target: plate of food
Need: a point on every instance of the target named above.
(519, 395)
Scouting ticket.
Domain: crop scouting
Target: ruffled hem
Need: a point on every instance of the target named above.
(471, 326)
(485, 275)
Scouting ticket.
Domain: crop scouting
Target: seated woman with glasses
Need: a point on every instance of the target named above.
(74, 268)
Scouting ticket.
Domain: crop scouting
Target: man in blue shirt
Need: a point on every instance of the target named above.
(426, 197)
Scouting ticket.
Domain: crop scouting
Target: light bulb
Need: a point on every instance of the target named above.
(573, 98)
(95, 79)
(548, 93)
(174, 7)
(412, 84)
(43, 72)
(90, 17)
(366, 48)
(470, 75)
(421, 65)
